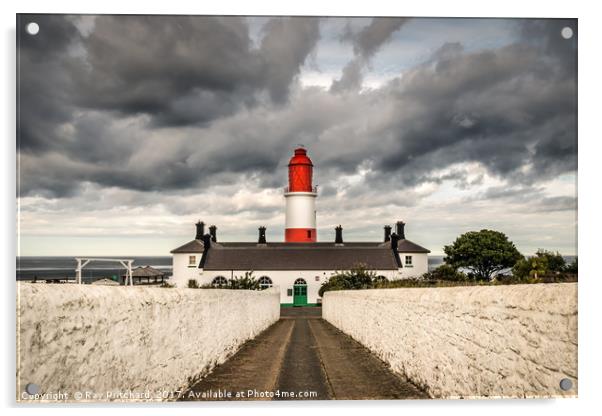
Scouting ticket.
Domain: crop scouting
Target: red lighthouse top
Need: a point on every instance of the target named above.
(300, 171)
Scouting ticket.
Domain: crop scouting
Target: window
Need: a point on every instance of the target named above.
(191, 261)
(300, 281)
(264, 282)
(317, 278)
(380, 279)
(219, 281)
(409, 261)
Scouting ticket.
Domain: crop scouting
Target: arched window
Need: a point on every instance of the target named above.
(219, 281)
(265, 282)
(300, 281)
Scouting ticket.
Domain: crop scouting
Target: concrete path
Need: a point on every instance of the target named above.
(302, 357)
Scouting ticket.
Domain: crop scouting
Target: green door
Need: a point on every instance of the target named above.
(300, 293)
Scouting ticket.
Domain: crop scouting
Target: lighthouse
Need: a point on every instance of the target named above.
(300, 195)
(299, 265)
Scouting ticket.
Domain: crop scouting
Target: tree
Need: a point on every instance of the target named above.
(358, 277)
(482, 252)
(555, 261)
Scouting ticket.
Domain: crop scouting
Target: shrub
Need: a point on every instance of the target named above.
(358, 277)
(247, 281)
(555, 261)
(445, 272)
(530, 267)
(193, 284)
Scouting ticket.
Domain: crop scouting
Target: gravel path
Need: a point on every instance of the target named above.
(302, 357)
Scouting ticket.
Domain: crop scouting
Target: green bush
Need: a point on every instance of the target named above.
(358, 277)
(555, 261)
(247, 281)
(445, 272)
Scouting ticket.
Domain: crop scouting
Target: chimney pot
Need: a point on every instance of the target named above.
(261, 239)
(213, 233)
(200, 230)
(206, 241)
(394, 241)
(387, 233)
(401, 230)
(338, 235)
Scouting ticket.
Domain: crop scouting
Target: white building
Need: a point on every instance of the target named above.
(301, 264)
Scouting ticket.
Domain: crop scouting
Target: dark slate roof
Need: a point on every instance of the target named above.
(406, 246)
(194, 246)
(319, 244)
(304, 256)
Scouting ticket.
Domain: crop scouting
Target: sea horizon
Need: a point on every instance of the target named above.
(43, 267)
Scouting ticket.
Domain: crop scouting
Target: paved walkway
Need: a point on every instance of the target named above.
(303, 357)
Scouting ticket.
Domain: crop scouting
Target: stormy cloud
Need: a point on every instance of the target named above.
(366, 43)
(171, 112)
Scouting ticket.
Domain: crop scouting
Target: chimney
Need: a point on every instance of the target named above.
(394, 241)
(261, 235)
(200, 230)
(401, 230)
(206, 242)
(213, 233)
(387, 233)
(339, 235)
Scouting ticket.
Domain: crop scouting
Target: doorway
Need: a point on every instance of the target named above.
(300, 292)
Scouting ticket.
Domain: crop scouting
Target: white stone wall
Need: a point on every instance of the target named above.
(479, 341)
(78, 338)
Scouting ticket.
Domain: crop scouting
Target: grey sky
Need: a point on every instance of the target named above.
(131, 128)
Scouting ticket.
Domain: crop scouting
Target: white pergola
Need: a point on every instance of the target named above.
(83, 261)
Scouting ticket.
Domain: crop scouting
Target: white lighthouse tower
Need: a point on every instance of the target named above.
(300, 195)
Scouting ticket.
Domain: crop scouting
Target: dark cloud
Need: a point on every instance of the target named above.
(365, 43)
(284, 48)
(508, 108)
(183, 103)
(186, 70)
(44, 93)
(173, 71)
(532, 196)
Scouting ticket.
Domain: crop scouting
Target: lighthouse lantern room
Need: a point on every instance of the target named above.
(300, 222)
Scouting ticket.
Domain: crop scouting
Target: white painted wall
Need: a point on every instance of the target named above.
(78, 338)
(420, 265)
(181, 271)
(285, 279)
(479, 341)
(300, 210)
